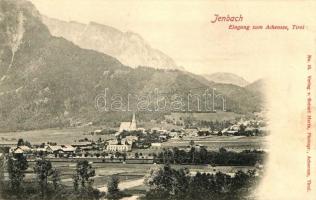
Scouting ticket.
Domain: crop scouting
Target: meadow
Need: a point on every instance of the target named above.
(60, 136)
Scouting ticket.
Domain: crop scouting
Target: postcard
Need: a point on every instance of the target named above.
(157, 99)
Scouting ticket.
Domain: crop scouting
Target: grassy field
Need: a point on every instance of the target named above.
(127, 172)
(236, 143)
(61, 136)
(219, 116)
(69, 135)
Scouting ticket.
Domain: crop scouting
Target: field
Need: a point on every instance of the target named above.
(61, 136)
(68, 136)
(235, 143)
(219, 116)
(131, 175)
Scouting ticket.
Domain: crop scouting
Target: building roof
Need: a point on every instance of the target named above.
(24, 148)
(97, 131)
(55, 147)
(111, 142)
(131, 137)
(68, 148)
(41, 149)
(18, 150)
(156, 144)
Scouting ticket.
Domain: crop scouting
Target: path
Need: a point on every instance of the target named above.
(125, 185)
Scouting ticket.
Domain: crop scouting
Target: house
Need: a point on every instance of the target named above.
(86, 145)
(204, 132)
(41, 150)
(98, 131)
(192, 132)
(173, 134)
(156, 145)
(230, 132)
(53, 148)
(155, 129)
(68, 149)
(126, 141)
(18, 151)
(112, 142)
(143, 130)
(119, 148)
(163, 137)
(21, 150)
(130, 139)
(197, 147)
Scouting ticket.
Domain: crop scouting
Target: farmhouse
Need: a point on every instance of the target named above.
(53, 148)
(21, 150)
(68, 149)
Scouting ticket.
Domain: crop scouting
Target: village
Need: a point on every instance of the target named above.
(133, 144)
(128, 155)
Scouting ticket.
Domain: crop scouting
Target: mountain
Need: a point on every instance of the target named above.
(48, 81)
(128, 47)
(228, 78)
(257, 87)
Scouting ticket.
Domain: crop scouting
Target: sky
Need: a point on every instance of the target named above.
(182, 29)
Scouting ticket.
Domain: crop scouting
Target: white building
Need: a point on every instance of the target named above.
(112, 142)
(156, 145)
(128, 126)
(118, 147)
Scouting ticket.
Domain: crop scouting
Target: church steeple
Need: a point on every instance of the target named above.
(133, 123)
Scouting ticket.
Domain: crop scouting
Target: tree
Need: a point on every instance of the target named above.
(167, 183)
(222, 150)
(136, 155)
(124, 156)
(20, 142)
(2, 183)
(113, 189)
(83, 175)
(117, 154)
(192, 154)
(43, 169)
(16, 169)
(76, 182)
(56, 178)
(242, 129)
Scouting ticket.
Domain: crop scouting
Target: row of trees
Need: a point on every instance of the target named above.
(215, 125)
(167, 183)
(201, 155)
(47, 184)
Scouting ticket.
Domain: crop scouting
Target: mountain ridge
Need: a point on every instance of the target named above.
(227, 78)
(128, 47)
(50, 81)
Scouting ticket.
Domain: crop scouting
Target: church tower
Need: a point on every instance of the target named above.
(133, 123)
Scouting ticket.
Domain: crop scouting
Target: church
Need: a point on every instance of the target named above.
(128, 126)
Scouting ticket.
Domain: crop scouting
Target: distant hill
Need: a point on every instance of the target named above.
(228, 78)
(47, 81)
(257, 87)
(128, 47)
